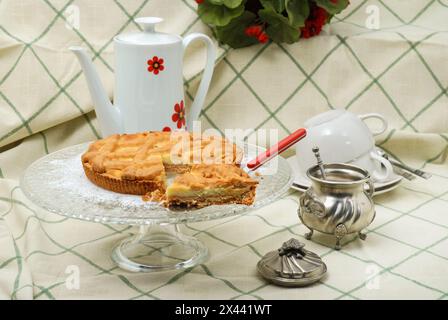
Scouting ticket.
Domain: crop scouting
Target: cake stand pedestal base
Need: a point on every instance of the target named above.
(159, 248)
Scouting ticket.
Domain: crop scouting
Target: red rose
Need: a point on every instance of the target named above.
(263, 38)
(253, 31)
(313, 25)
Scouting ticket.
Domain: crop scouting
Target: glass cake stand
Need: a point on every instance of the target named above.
(57, 183)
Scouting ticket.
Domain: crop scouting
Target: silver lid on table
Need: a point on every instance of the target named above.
(292, 265)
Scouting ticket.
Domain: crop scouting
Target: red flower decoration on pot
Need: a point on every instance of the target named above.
(155, 65)
(179, 114)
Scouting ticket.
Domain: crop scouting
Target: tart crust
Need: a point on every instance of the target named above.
(200, 202)
(141, 187)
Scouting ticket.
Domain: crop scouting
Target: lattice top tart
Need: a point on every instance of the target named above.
(138, 163)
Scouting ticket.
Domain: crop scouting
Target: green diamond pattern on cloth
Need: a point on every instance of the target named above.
(398, 70)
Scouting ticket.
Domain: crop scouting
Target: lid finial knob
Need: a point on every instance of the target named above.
(148, 23)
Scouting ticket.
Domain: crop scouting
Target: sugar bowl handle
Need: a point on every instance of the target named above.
(198, 102)
(371, 189)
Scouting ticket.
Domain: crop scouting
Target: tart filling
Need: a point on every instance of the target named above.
(211, 184)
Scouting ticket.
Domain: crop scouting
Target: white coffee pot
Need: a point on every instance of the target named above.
(149, 92)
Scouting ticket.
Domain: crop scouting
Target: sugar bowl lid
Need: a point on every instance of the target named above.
(292, 265)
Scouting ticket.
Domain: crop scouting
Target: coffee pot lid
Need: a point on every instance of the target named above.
(292, 265)
(149, 35)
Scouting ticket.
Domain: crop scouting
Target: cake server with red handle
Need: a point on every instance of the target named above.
(275, 150)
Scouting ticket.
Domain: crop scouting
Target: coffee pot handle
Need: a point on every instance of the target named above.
(377, 116)
(198, 102)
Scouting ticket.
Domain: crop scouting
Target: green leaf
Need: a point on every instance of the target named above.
(279, 29)
(333, 7)
(276, 5)
(298, 11)
(233, 33)
(232, 4)
(217, 15)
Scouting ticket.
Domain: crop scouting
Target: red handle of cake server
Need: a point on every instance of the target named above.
(284, 144)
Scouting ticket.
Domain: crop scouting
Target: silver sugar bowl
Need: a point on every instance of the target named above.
(337, 204)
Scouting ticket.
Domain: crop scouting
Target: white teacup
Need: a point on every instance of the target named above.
(344, 137)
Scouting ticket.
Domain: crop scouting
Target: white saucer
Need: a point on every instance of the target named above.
(302, 183)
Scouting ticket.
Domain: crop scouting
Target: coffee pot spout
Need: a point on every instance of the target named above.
(108, 115)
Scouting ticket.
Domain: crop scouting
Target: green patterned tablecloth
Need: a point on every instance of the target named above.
(399, 70)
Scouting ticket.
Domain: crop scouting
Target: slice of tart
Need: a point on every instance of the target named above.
(209, 184)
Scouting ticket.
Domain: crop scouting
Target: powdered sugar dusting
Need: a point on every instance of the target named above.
(79, 186)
